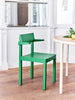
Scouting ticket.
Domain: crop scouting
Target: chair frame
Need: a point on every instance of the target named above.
(32, 63)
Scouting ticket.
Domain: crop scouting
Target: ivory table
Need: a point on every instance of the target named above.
(62, 41)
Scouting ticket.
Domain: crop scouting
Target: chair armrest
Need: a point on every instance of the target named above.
(35, 40)
(38, 40)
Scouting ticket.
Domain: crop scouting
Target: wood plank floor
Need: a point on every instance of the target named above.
(32, 88)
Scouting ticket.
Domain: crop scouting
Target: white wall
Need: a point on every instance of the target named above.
(10, 43)
(46, 33)
(40, 32)
(47, 46)
(13, 48)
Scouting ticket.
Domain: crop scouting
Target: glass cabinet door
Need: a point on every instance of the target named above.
(26, 13)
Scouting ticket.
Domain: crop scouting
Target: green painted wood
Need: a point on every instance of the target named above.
(38, 40)
(32, 51)
(51, 58)
(20, 65)
(54, 70)
(27, 39)
(34, 57)
(39, 57)
(44, 76)
(32, 70)
(23, 43)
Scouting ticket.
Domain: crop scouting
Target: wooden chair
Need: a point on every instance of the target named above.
(35, 57)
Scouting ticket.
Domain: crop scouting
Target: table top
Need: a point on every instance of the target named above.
(61, 39)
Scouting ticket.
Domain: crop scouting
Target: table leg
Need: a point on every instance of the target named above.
(61, 68)
(67, 58)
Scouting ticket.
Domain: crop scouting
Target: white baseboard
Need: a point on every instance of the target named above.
(4, 66)
(17, 66)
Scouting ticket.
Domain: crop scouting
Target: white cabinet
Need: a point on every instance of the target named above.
(3, 38)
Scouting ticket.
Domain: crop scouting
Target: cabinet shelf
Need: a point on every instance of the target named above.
(23, 1)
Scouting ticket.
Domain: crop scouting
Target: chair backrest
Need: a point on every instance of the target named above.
(26, 37)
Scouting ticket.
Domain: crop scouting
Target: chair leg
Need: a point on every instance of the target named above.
(20, 72)
(44, 76)
(32, 70)
(54, 70)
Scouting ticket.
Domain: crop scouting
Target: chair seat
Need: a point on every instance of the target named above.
(39, 57)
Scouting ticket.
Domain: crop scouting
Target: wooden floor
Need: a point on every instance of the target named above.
(32, 88)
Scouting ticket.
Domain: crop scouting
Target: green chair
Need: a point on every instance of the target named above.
(35, 57)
